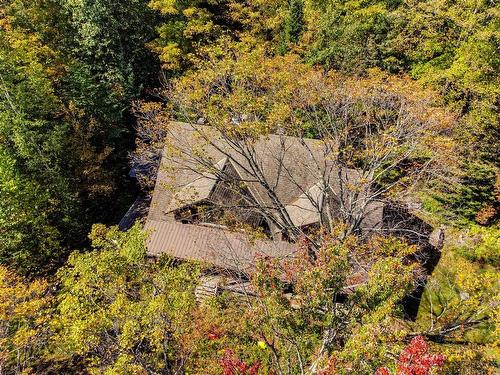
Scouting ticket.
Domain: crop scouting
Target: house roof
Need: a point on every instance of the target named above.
(195, 191)
(293, 168)
(296, 170)
(181, 166)
(138, 210)
(303, 211)
(221, 248)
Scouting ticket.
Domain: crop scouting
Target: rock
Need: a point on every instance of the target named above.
(436, 238)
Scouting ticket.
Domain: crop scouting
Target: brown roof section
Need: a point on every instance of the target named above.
(293, 166)
(180, 165)
(221, 248)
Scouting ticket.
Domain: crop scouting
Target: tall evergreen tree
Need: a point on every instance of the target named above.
(295, 22)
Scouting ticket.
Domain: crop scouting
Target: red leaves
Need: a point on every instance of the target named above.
(233, 366)
(215, 333)
(213, 336)
(415, 359)
(330, 368)
(383, 371)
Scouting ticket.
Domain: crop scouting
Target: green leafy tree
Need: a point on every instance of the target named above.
(187, 26)
(190, 29)
(448, 45)
(460, 306)
(470, 196)
(351, 36)
(69, 71)
(109, 62)
(117, 312)
(109, 65)
(452, 45)
(39, 197)
(29, 241)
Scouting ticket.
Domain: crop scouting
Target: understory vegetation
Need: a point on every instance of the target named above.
(407, 90)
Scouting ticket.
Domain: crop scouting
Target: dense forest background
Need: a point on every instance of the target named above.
(75, 75)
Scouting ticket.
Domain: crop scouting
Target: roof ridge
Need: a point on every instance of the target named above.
(194, 126)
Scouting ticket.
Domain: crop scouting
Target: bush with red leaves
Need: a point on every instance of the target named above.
(415, 359)
(215, 333)
(233, 366)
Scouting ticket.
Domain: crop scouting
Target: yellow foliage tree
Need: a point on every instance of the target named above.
(24, 313)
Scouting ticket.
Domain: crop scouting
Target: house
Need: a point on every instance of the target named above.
(281, 187)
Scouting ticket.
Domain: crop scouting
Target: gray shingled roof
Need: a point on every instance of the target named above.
(291, 165)
(294, 167)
